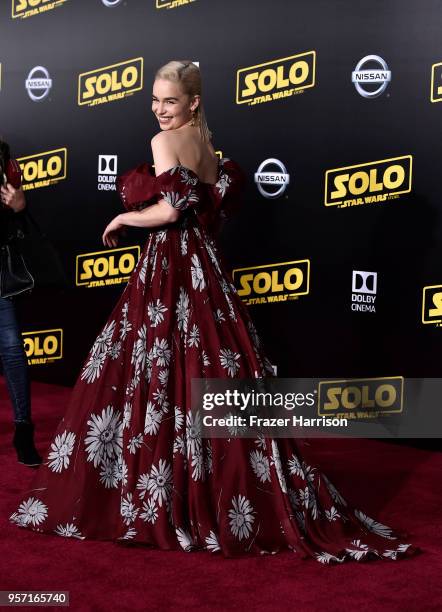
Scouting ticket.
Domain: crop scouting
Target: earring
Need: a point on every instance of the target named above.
(193, 118)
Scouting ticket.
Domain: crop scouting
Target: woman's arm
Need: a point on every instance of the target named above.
(161, 213)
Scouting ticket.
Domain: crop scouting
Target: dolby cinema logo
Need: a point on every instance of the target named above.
(272, 178)
(371, 76)
(38, 84)
(107, 172)
(364, 289)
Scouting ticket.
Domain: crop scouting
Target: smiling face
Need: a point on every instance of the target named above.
(172, 108)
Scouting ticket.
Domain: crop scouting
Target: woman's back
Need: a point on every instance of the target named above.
(194, 153)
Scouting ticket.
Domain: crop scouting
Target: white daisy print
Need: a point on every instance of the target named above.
(62, 448)
(149, 512)
(198, 280)
(30, 512)
(135, 443)
(125, 325)
(152, 419)
(260, 465)
(205, 358)
(295, 467)
(198, 472)
(193, 432)
(142, 485)
(359, 552)
(393, 554)
(115, 350)
(183, 241)
(129, 535)
(160, 482)
(260, 441)
(162, 352)
(229, 361)
(219, 315)
(120, 470)
(108, 475)
(103, 341)
(374, 526)
(155, 312)
(184, 538)
(105, 437)
(139, 348)
(241, 517)
(194, 336)
(68, 531)
(179, 445)
(160, 396)
(212, 542)
(127, 414)
(182, 310)
(332, 514)
(179, 418)
(92, 369)
(325, 557)
(163, 377)
(128, 510)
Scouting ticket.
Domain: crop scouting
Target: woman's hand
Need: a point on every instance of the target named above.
(112, 231)
(12, 198)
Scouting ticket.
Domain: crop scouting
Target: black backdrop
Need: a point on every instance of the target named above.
(323, 127)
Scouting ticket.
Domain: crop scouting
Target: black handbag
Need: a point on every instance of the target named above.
(15, 277)
(32, 255)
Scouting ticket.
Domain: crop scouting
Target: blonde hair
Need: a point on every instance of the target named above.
(188, 75)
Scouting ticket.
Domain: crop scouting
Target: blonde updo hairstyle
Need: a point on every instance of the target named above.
(188, 75)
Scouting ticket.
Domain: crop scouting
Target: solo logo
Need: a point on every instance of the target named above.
(360, 397)
(43, 346)
(106, 267)
(110, 83)
(364, 287)
(107, 172)
(170, 4)
(367, 183)
(43, 169)
(29, 8)
(436, 83)
(432, 305)
(273, 282)
(280, 78)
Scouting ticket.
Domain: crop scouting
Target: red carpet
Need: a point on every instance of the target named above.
(104, 576)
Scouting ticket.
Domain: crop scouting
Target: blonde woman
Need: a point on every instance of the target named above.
(128, 462)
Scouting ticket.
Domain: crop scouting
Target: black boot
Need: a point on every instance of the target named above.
(24, 444)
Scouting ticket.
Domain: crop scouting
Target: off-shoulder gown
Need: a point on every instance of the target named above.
(128, 463)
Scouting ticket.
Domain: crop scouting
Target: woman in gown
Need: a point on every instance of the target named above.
(127, 462)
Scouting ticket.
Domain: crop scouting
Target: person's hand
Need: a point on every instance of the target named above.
(12, 198)
(112, 231)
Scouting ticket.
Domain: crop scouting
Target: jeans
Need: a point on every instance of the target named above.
(14, 361)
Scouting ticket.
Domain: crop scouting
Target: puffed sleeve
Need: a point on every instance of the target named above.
(140, 187)
(230, 188)
(179, 187)
(137, 187)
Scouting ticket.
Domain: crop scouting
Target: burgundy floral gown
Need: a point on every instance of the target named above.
(128, 463)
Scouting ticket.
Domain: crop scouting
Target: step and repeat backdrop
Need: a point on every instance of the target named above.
(333, 109)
